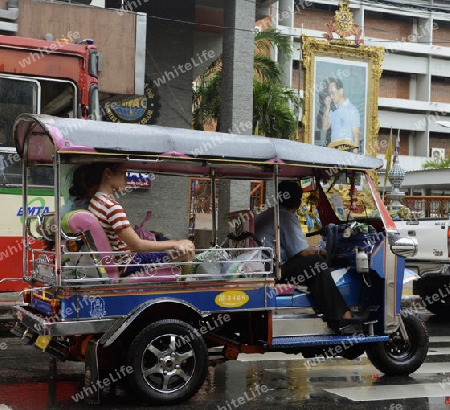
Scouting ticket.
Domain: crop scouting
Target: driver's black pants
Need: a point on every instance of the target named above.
(313, 271)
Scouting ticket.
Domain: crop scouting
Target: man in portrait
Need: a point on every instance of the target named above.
(341, 116)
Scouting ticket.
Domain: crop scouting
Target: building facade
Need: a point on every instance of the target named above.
(414, 92)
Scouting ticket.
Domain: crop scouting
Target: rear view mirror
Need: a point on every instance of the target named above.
(405, 247)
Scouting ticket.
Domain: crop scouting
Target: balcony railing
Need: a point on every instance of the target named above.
(428, 206)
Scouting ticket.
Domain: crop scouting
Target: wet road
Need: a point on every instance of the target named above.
(253, 382)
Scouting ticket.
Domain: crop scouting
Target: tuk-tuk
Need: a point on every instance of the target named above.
(160, 330)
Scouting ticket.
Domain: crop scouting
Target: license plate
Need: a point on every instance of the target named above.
(43, 341)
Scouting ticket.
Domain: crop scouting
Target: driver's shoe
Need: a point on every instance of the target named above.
(342, 324)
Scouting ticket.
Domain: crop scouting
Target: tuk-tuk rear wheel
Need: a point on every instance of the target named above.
(169, 360)
(398, 356)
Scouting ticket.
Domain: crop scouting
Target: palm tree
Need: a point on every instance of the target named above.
(206, 97)
(272, 115)
(265, 68)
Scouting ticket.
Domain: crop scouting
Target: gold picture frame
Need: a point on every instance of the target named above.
(358, 67)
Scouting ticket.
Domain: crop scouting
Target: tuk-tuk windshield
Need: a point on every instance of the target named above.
(350, 196)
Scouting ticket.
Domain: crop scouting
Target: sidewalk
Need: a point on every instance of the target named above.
(7, 300)
(10, 296)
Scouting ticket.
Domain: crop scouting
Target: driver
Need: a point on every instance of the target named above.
(301, 264)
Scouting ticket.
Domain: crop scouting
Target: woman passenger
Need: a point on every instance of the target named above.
(111, 178)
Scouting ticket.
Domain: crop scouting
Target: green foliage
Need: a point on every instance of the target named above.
(206, 97)
(272, 102)
(272, 115)
(437, 163)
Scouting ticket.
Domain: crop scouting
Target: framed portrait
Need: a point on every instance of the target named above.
(340, 106)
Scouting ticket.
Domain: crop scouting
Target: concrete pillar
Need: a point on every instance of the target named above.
(424, 33)
(285, 13)
(237, 72)
(170, 46)
(358, 16)
(237, 97)
(170, 50)
(286, 18)
(424, 30)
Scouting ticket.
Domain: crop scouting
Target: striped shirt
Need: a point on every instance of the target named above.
(112, 218)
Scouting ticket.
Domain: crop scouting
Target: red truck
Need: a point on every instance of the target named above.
(37, 76)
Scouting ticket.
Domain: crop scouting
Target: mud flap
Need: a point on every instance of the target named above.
(91, 373)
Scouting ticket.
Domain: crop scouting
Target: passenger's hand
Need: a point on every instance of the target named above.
(185, 247)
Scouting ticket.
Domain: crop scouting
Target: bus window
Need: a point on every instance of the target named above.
(58, 98)
(17, 95)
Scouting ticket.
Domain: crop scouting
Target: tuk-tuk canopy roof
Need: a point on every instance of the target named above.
(191, 152)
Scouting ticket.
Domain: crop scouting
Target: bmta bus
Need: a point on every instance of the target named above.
(37, 76)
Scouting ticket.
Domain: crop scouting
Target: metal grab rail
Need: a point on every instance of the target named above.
(29, 219)
(183, 270)
(41, 221)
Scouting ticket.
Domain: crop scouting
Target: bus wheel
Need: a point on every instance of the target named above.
(169, 360)
(398, 356)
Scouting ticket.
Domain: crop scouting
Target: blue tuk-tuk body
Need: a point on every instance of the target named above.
(169, 323)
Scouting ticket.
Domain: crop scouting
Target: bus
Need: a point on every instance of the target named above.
(59, 78)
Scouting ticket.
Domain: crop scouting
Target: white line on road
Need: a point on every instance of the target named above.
(391, 392)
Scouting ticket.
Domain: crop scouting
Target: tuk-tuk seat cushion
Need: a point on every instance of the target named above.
(286, 289)
(95, 238)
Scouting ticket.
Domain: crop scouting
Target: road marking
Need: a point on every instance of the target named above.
(392, 392)
(435, 351)
(439, 339)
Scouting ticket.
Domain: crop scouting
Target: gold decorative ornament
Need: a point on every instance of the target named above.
(404, 212)
(343, 25)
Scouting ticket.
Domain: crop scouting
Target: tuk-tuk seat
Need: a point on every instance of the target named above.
(94, 237)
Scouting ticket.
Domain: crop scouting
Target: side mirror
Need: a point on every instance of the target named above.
(405, 247)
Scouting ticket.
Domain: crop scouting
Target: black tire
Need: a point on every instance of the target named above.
(440, 307)
(398, 357)
(169, 360)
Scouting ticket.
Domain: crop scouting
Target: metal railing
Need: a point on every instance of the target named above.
(428, 206)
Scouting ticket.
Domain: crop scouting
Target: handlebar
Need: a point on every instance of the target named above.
(321, 231)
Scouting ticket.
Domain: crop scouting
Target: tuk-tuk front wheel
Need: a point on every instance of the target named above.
(169, 361)
(398, 356)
